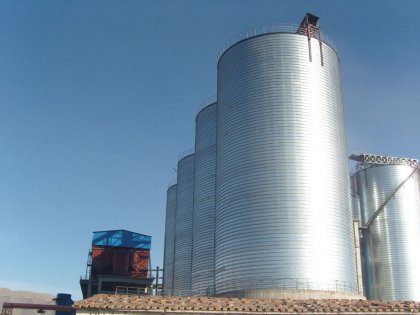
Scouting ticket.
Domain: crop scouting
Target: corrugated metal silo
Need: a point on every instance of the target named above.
(168, 260)
(183, 225)
(204, 201)
(283, 214)
(389, 201)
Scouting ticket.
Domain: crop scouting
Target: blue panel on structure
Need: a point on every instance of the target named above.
(121, 238)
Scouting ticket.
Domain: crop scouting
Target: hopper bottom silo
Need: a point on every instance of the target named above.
(388, 193)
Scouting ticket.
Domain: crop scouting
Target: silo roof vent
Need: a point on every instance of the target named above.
(310, 19)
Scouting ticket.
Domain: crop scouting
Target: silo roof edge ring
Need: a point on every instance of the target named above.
(185, 155)
(172, 182)
(206, 103)
(266, 30)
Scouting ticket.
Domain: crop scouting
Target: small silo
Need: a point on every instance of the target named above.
(283, 215)
(204, 200)
(183, 225)
(169, 251)
(388, 196)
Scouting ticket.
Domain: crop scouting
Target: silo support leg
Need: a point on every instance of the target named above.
(358, 257)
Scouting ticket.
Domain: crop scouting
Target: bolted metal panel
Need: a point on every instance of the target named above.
(391, 242)
(183, 225)
(204, 201)
(168, 260)
(283, 213)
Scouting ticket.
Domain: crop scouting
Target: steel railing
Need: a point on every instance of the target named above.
(131, 290)
(269, 284)
(210, 100)
(185, 153)
(282, 28)
(172, 182)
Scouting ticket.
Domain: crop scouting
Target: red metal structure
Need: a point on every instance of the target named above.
(118, 258)
(120, 261)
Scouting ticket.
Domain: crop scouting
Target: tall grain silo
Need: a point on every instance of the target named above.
(169, 251)
(183, 225)
(283, 216)
(204, 200)
(388, 196)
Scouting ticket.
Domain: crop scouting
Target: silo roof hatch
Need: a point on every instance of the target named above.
(309, 19)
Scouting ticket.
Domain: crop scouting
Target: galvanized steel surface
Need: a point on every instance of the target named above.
(183, 224)
(267, 29)
(355, 204)
(204, 200)
(168, 260)
(282, 189)
(391, 244)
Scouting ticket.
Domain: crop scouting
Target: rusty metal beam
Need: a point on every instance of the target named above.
(40, 307)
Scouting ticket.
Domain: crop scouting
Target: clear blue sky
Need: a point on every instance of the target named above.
(98, 99)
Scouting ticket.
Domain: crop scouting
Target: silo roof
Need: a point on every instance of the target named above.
(121, 238)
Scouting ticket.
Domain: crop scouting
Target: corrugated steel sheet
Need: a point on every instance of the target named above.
(282, 190)
(169, 252)
(391, 244)
(183, 225)
(204, 201)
